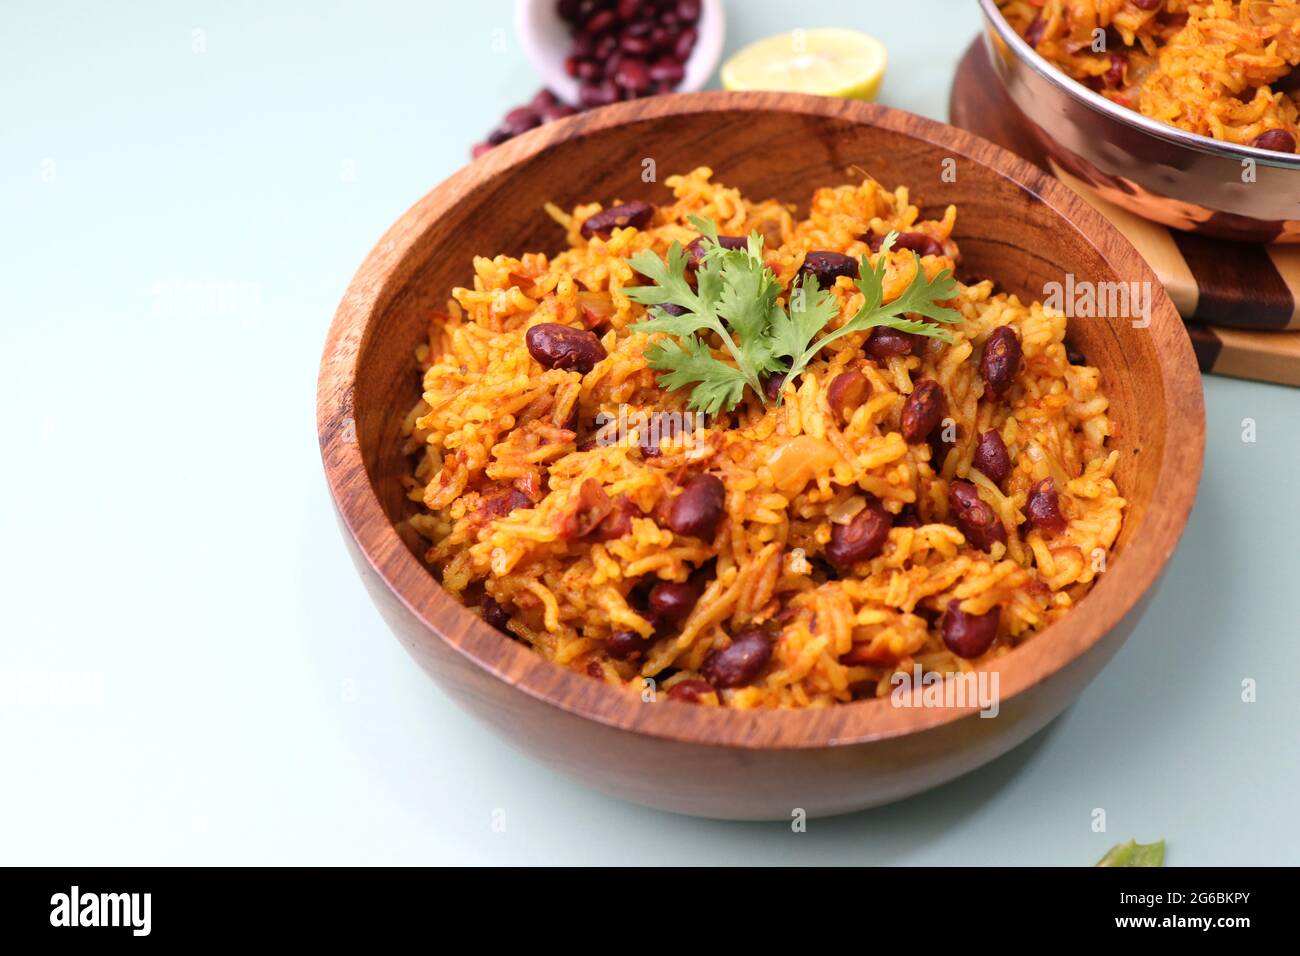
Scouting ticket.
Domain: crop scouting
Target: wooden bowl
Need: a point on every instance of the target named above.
(1014, 223)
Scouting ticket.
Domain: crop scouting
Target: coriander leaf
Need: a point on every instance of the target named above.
(811, 309)
(737, 298)
(1133, 853)
(690, 361)
(922, 297)
(732, 298)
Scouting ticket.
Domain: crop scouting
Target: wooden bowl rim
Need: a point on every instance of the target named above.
(1113, 597)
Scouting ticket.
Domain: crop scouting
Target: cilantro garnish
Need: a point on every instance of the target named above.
(736, 298)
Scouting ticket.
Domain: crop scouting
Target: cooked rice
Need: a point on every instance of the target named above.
(1221, 68)
(492, 419)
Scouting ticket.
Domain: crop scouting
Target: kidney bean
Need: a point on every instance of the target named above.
(690, 691)
(883, 343)
(592, 507)
(974, 516)
(672, 308)
(698, 509)
(1001, 360)
(917, 242)
(636, 44)
(1278, 140)
(627, 9)
(521, 119)
(738, 664)
(593, 94)
(826, 267)
(672, 602)
(478, 149)
(688, 11)
(772, 385)
(991, 457)
(667, 70)
(941, 444)
(627, 645)
(861, 539)
(1113, 78)
(923, 410)
(601, 21)
(1147, 5)
(1043, 507)
(685, 44)
(559, 346)
(1034, 32)
(907, 517)
(616, 523)
(695, 248)
(632, 75)
(629, 214)
(969, 635)
(1074, 356)
(494, 614)
(846, 392)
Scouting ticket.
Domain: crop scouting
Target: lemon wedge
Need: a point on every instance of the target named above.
(829, 62)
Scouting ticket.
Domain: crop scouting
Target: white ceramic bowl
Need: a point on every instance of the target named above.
(547, 40)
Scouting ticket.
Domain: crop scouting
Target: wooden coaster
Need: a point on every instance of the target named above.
(1238, 298)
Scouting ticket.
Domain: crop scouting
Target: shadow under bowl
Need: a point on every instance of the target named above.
(1015, 223)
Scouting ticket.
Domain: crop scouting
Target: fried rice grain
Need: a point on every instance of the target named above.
(533, 513)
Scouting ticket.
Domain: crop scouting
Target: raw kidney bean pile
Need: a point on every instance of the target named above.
(622, 50)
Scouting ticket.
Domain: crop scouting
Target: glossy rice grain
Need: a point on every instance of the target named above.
(785, 554)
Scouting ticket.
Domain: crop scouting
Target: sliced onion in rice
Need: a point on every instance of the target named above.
(847, 510)
(800, 460)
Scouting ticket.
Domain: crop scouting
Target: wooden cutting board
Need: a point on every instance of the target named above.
(1239, 299)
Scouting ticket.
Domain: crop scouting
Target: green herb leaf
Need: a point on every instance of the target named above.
(1133, 853)
(735, 297)
(690, 361)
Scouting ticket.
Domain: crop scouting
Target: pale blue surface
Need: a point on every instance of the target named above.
(166, 529)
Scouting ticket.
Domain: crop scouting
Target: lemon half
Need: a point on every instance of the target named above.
(829, 62)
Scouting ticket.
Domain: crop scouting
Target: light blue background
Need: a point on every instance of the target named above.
(168, 541)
